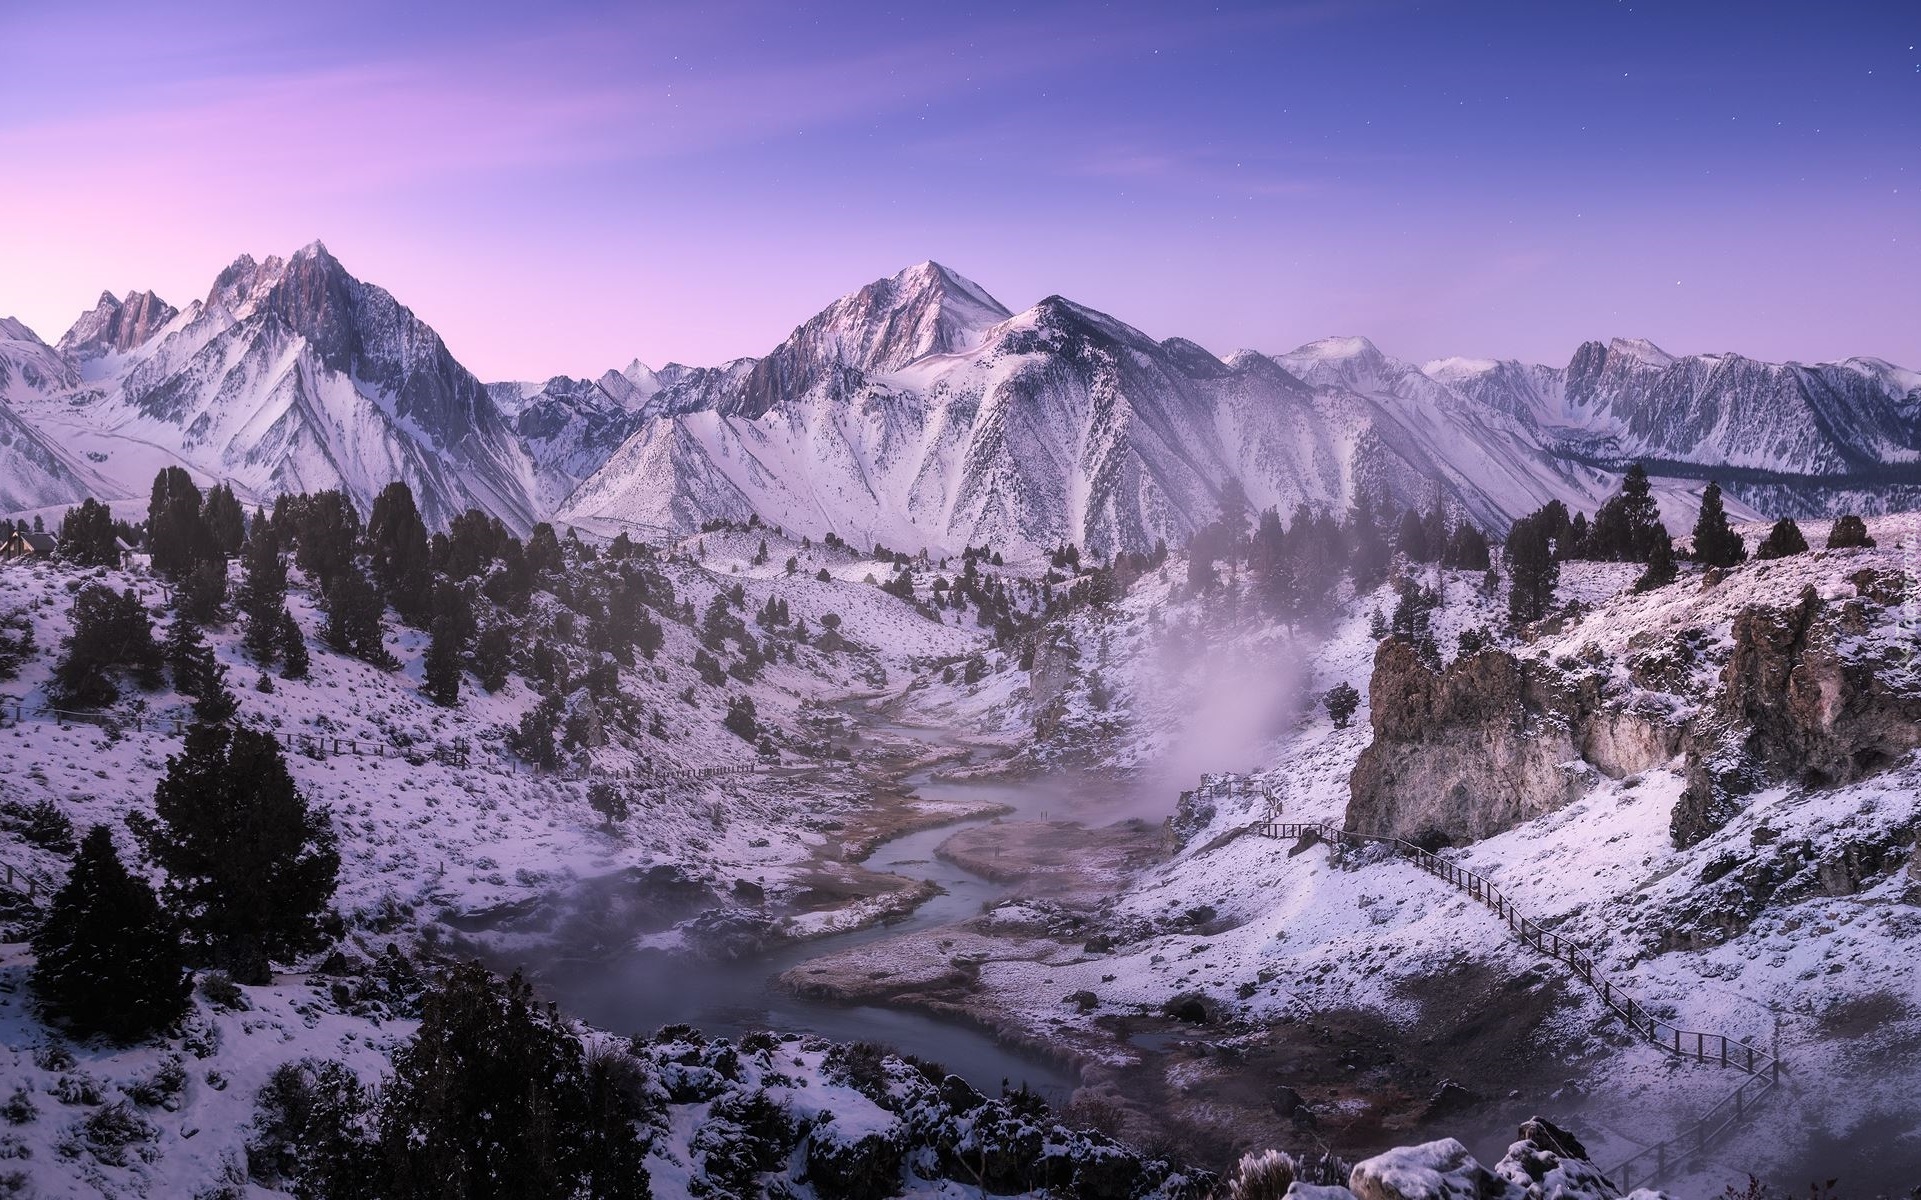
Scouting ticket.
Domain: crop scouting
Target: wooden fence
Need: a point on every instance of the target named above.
(23, 882)
(1761, 1068)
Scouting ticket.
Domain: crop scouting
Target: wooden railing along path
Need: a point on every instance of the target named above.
(1761, 1068)
(23, 882)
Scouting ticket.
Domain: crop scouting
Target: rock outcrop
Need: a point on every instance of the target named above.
(1548, 1163)
(1811, 696)
(1487, 743)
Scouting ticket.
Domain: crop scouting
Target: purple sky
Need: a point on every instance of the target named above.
(559, 188)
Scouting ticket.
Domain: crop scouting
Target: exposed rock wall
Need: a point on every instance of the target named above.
(1808, 697)
(1487, 743)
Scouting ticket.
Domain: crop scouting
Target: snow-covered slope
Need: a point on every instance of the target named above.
(34, 471)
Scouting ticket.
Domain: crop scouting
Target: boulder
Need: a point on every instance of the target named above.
(848, 1163)
(1441, 1170)
(1549, 1163)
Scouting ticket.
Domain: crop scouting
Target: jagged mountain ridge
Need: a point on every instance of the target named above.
(919, 410)
(292, 375)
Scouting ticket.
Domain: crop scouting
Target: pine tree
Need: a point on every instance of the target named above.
(1533, 571)
(1412, 539)
(1202, 549)
(1623, 529)
(1645, 531)
(326, 532)
(397, 544)
(225, 521)
(1340, 701)
(354, 615)
(1434, 526)
(111, 632)
(493, 655)
(534, 738)
(1370, 556)
(176, 536)
(293, 648)
(609, 799)
(442, 663)
(1715, 542)
(202, 594)
(1782, 540)
(741, 719)
(489, 1100)
(612, 1156)
(1660, 570)
(250, 867)
(263, 591)
(87, 535)
(107, 960)
(1467, 550)
(197, 673)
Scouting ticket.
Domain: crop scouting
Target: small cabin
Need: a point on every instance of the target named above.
(23, 544)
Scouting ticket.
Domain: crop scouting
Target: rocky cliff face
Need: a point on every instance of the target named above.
(1488, 742)
(115, 326)
(1817, 693)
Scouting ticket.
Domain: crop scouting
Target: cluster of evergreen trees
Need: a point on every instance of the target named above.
(1628, 528)
(1296, 565)
(248, 872)
(494, 1098)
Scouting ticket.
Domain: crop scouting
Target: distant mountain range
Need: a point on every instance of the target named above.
(917, 411)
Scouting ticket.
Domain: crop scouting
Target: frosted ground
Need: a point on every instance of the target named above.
(424, 837)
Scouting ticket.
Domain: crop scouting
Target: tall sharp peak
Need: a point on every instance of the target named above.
(929, 276)
(242, 281)
(923, 310)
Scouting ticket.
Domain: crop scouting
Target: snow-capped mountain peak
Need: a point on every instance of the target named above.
(1641, 350)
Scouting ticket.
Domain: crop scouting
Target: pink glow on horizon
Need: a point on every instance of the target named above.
(652, 184)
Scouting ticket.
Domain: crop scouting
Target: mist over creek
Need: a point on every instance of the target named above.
(585, 950)
(595, 970)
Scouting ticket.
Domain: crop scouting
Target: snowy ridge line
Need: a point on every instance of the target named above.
(1763, 1070)
(321, 745)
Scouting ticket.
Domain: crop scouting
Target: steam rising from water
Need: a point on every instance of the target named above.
(1240, 698)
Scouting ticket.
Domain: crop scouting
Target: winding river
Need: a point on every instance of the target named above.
(640, 990)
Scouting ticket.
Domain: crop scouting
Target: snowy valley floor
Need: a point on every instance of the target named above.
(1208, 989)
